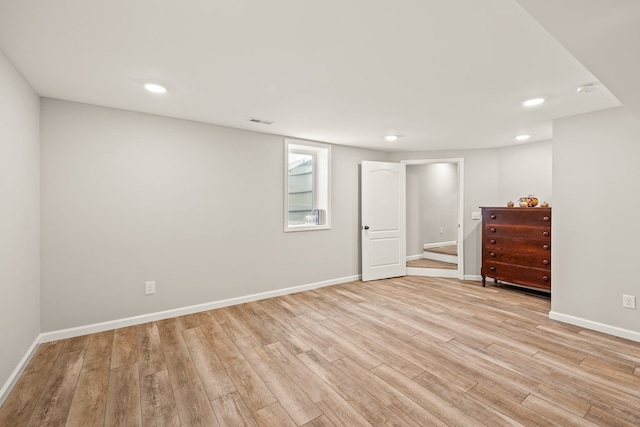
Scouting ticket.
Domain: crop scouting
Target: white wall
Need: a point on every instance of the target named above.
(595, 234)
(525, 169)
(432, 202)
(130, 197)
(19, 218)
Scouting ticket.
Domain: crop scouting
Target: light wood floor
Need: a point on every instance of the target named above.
(409, 351)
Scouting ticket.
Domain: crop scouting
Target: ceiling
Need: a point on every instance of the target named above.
(441, 74)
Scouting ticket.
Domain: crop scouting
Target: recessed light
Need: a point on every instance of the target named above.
(155, 88)
(523, 137)
(533, 101)
(588, 88)
(391, 137)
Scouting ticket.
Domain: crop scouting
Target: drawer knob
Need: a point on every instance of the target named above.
(493, 216)
(492, 255)
(545, 261)
(493, 230)
(492, 268)
(545, 247)
(545, 233)
(493, 242)
(545, 218)
(545, 278)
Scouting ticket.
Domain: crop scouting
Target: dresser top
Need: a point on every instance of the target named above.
(516, 208)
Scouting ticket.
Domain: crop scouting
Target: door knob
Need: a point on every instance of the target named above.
(366, 227)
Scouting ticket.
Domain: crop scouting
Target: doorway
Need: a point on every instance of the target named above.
(435, 236)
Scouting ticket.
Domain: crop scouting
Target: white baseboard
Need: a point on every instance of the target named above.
(13, 378)
(151, 317)
(438, 244)
(474, 277)
(414, 257)
(432, 272)
(596, 326)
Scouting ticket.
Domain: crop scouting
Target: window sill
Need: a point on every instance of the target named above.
(305, 227)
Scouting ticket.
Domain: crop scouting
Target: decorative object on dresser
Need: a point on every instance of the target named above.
(516, 246)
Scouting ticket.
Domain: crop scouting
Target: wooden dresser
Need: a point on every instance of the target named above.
(516, 246)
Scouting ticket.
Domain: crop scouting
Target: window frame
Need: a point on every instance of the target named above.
(317, 150)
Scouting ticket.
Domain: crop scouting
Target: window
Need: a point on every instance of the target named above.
(306, 186)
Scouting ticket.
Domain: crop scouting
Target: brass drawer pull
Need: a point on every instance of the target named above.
(493, 230)
(492, 255)
(545, 218)
(545, 247)
(492, 268)
(545, 233)
(493, 216)
(493, 242)
(545, 278)
(545, 261)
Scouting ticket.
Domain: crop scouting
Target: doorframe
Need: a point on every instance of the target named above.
(459, 161)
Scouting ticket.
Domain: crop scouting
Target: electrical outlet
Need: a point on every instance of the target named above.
(476, 216)
(441, 230)
(629, 301)
(149, 288)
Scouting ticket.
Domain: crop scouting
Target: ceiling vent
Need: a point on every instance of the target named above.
(264, 122)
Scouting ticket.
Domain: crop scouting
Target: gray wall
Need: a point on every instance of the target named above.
(130, 197)
(525, 169)
(480, 189)
(432, 202)
(19, 218)
(492, 177)
(595, 234)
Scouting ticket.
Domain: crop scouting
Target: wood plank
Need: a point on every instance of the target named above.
(553, 412)
(150, 354)
(296, 403)
(194, 407)
(232, 411)
(18, 406)
(123, 397)
(365, 403)
(188, 321)
(214, 377)
(100, 345)
(158, 403)
(182, 371)
(392, 399)
(125, 347)
(208, 323)
(432, 401)
(334, 406)
(90, 395)
(322, 421)
(55, 400)
(250, 386)
(273, 415)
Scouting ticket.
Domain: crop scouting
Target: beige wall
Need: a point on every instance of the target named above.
(130, 197)
(595, 234)
(19, 218)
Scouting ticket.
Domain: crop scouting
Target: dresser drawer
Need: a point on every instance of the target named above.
(542, 232)
(528, 276)
(517, 216)
(537, 259)
(527, 245)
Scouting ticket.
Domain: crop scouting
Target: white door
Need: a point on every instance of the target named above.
(383, 201)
